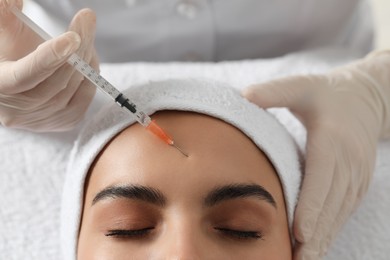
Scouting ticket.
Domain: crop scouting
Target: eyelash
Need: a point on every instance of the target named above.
(139, 233)
(238, 234)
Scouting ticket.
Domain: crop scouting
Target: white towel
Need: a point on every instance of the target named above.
(212, 98)
(32, 166)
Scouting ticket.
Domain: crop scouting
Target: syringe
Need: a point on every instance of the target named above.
(101, 83)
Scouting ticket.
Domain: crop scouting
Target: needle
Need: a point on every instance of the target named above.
(159, 132)
(180, 150)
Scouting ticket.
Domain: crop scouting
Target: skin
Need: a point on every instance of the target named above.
(183, 225)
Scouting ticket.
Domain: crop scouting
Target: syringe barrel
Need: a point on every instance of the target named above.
(140, 116)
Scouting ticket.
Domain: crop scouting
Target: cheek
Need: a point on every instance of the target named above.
(90, 249)
(279, 246)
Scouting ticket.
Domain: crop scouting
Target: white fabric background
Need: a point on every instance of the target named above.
(32, 165)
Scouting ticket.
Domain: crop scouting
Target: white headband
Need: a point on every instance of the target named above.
(202, 96)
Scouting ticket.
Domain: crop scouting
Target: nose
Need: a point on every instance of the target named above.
(182, 241)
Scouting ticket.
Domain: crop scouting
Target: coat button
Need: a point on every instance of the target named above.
(187, 9)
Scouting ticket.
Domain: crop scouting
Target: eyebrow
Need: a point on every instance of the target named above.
(135, 192)
(235, 191)
(217, 195)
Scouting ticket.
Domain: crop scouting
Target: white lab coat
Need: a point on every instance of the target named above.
(215, 30)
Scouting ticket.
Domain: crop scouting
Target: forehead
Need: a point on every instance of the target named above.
(218, 154)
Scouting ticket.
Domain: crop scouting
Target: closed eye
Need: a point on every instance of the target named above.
(239, 234)
(121, 233)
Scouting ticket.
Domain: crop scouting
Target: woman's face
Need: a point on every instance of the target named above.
(145, 200)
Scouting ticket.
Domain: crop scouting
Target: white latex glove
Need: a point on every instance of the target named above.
(345, 112)
(39, 91)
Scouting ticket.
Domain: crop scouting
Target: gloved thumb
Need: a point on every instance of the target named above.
(292, 92)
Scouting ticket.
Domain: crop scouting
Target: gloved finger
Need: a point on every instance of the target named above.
(17, 40)
(39, 119)
(316, 185)
(31, 70)
(49, 119)
(34, 98)
(292, 92)
(48, 90)
(367, 157)
(316, 247)
(357, 188)
(342, 216)
(9, 24)
(62, 99)
(330, 210)
(69, 117)
(302, 252)
(73, 103)
(6, 16)
(84, 23)
(59, 80)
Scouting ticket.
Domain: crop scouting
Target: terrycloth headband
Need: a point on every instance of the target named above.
(211, 98)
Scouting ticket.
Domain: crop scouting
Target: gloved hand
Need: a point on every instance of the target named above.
(345, 112)
(39, 90)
